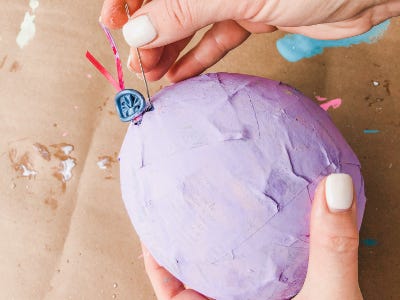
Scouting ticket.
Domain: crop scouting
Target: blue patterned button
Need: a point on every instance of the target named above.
(130, 104)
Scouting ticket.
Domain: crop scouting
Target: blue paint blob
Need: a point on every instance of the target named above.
(369, 131)
(369, 242)
(294, 47)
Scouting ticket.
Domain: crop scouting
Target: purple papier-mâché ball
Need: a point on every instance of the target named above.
(218, 182)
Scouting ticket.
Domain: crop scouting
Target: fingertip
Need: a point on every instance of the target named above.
(113, 16)
(335, 194)
(181, 71)
(328, 224)
(339, 192)
(333, 260)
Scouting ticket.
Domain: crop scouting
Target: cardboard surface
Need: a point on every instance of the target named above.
(76, 241)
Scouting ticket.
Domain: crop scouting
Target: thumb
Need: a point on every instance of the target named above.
(162, 22)
(333, 262)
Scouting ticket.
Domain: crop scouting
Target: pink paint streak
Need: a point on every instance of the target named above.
(334, 103)
(319, 98)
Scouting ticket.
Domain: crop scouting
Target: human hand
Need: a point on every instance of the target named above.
(163, 28)
(333, 262)
(166, 286)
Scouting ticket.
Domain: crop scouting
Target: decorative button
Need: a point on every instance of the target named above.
(130, 104)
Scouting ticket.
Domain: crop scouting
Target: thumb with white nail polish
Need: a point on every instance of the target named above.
(339, 192)
(139, 31)
(333, 261)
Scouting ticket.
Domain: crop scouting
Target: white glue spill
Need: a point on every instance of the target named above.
(103, 163)
(28, 28)
(66, 168)
(67, 149)
(26, 172)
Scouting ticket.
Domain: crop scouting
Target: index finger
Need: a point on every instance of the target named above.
(113, 13)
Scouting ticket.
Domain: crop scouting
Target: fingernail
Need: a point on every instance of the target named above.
(128, 64)
(339, 192)
(139, 31)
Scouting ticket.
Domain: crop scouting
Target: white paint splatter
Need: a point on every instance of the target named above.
(66, 168)
(28, 28)
(33, 5)
(102, 164)
(26, 172)
(67, 149)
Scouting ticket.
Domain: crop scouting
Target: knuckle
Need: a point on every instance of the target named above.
(220, 43)
(180, 11)
(251, 10)
(201, 61)
(341, 244)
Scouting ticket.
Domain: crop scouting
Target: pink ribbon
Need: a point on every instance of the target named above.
(120, 85)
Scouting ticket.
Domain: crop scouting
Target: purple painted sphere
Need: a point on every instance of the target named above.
(218, 181)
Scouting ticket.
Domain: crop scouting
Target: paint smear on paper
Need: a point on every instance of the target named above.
(3, 61)
(371, 131)
(67, 163)
(334, 103)
(28, 28)
(27, 172)
(369, 242)
(105, 163)
(66, 167)
(51, 202)
(67, 149)
(15, 66)
(64, 172)
(294, 47)
(43, 151)
(386, 85)
(22, 165)
(62, 150)
(319, 98)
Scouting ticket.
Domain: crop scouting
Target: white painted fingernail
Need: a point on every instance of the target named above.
(339, 192)
(139, 31)
(128, 64)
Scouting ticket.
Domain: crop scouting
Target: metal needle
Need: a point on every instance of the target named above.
(140, 60)
(144, 76)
